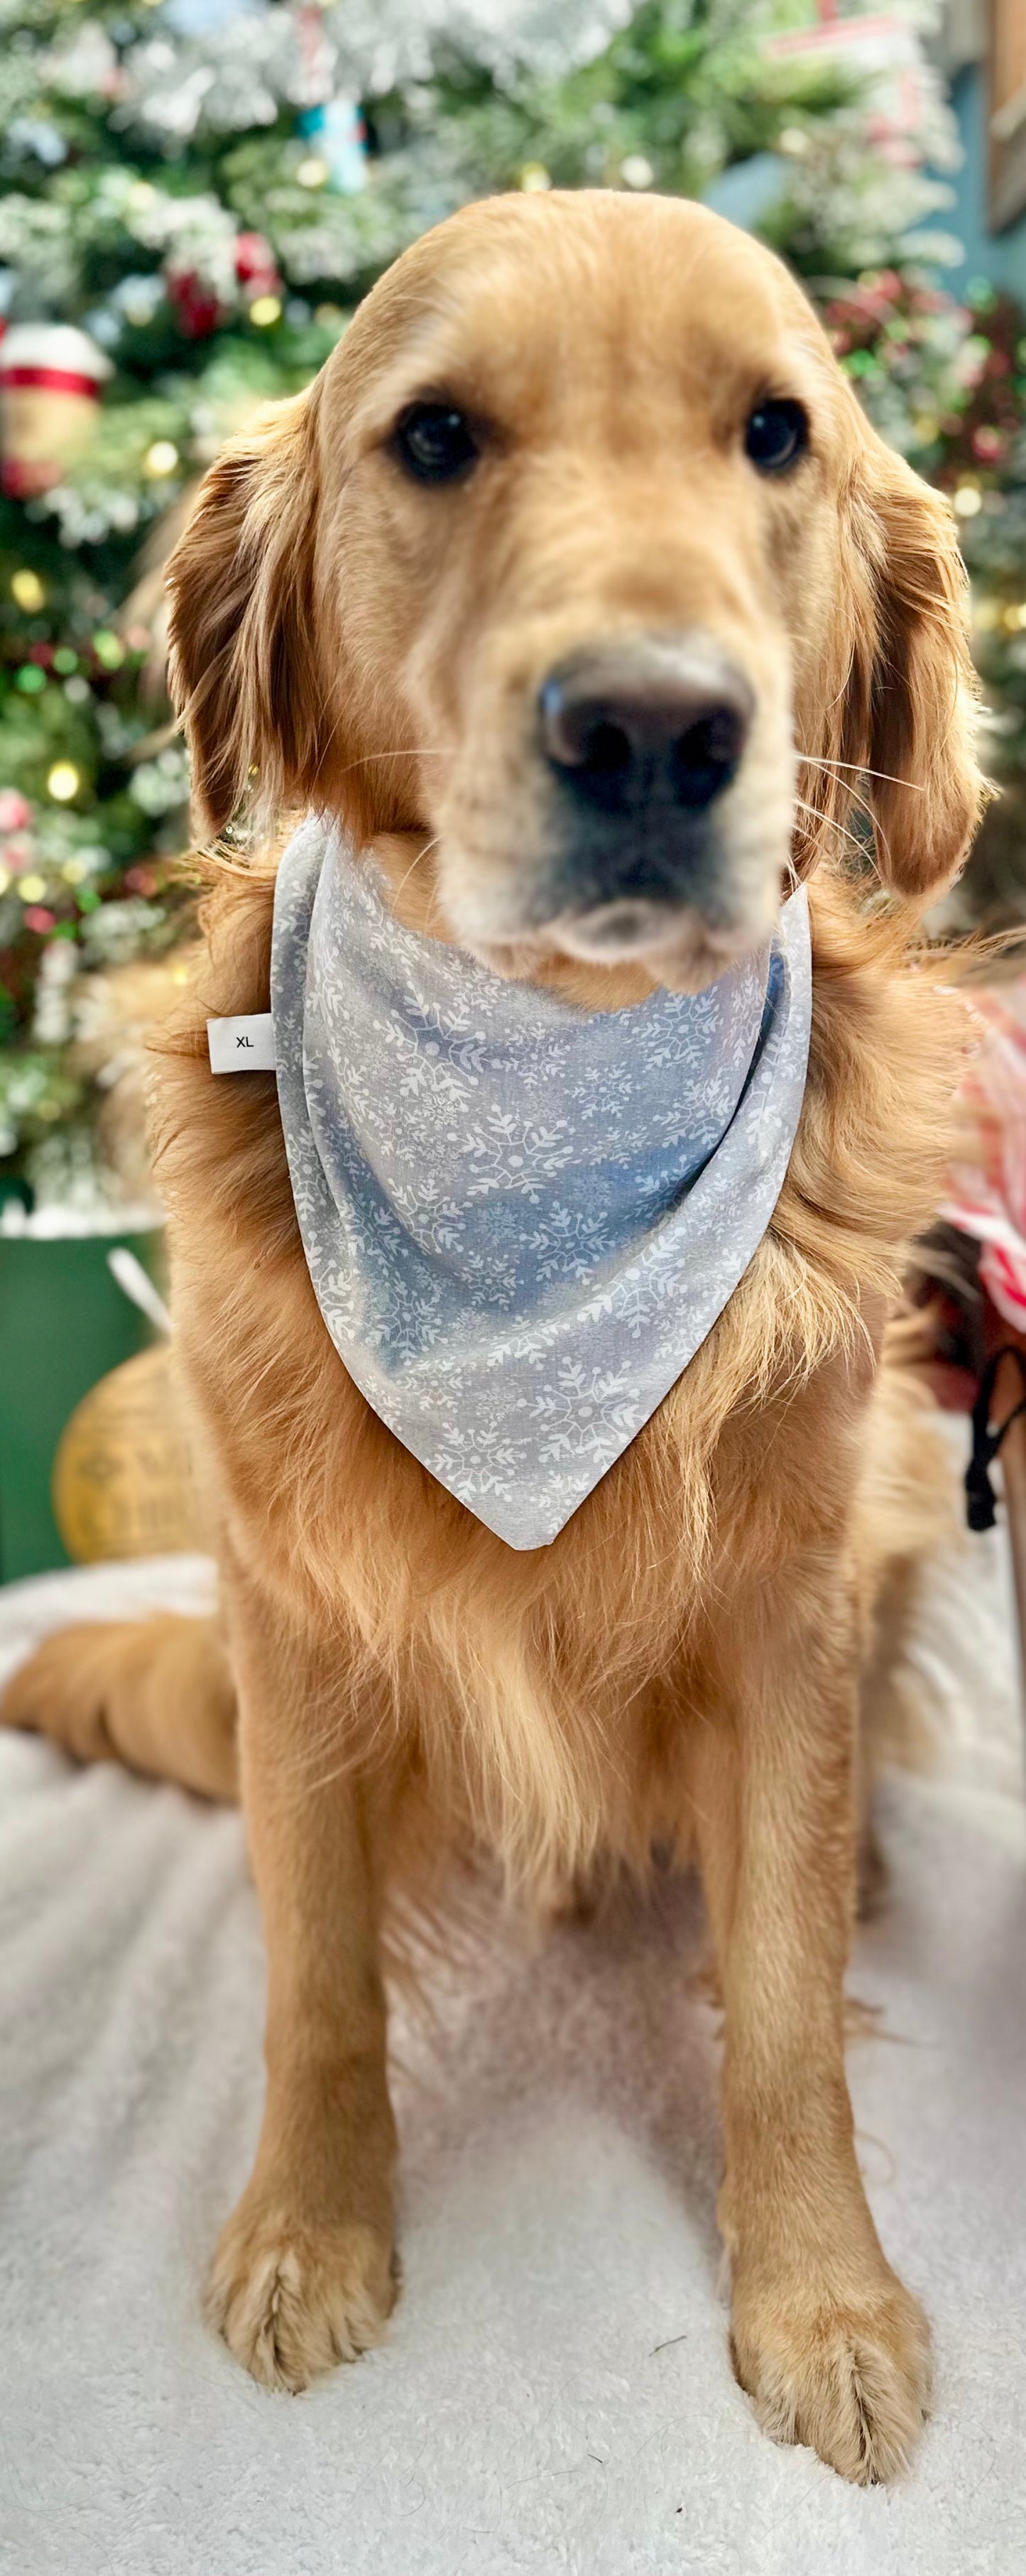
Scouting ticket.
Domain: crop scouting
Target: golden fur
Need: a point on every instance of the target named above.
(682, 1662)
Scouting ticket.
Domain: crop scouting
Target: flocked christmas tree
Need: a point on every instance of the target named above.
(190, 208)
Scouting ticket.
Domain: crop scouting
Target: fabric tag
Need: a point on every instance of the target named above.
(242, 1045)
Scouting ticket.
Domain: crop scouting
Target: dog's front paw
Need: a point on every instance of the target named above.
(850, 2377)
(292, 2298)
(60, 1692)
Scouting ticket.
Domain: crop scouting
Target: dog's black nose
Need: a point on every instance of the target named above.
(645, 725)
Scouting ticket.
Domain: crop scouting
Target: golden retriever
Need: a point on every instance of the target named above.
(603, 436)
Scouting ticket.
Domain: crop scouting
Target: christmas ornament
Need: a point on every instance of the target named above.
(196, 307)
(50, 380)
(340, 135)
(256, 267)
(123, 1482)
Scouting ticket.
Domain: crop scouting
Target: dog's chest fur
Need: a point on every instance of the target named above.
(541, 1689)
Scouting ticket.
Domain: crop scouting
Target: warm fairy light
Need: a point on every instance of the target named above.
(73, 871)
(27, 589)
(161, 458)
(264, 310)
(967, 501)
(62, 783)
(534, 176)
(31, 888)
(312, 172)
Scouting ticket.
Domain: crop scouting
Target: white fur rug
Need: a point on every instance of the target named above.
(555, 2393)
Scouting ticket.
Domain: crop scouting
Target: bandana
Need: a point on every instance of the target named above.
(520, 1218)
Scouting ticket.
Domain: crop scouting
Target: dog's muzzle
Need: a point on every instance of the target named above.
(641, 739)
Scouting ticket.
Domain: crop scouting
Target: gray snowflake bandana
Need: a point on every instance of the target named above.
(520, 1218)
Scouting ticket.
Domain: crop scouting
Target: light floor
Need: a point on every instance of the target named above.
(555, 2393)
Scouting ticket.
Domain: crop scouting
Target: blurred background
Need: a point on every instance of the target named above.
(194, 196)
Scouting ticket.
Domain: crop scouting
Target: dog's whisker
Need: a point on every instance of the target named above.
(861, 805)
(407, 751)
(424, 853)
(803, 807)
(861, 769)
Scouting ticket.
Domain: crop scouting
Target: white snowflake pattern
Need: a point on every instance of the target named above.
(520, 1219)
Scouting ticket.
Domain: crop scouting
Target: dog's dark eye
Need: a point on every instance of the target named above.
(777, 434)
(434, 442)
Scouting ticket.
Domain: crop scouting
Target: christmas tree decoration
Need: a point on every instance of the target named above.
(256, 268)
(50, 381)
(914, 355)
(339, 136)
(63, 782)
(28, 590)
(881, 56)
(197, 308)
(161, 459)
(123, 1480)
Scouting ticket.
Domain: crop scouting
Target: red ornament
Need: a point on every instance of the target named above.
(253, 258)
(197, 310)
(50, 381)
(255, 267)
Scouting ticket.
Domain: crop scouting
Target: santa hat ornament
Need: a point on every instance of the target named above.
(50, 380)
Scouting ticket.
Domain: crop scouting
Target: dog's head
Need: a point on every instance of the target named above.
(580, 561)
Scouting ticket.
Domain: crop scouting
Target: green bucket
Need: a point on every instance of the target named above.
(64, 1322)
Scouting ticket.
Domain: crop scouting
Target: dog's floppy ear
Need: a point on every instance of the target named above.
(242, 666)
(905, 710)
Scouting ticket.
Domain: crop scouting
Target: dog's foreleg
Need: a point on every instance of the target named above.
(829, 2345)
(303, 2275)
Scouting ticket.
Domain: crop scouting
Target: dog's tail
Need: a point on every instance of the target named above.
(155, 1693)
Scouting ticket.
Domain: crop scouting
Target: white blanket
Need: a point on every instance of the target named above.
(555, 2392)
